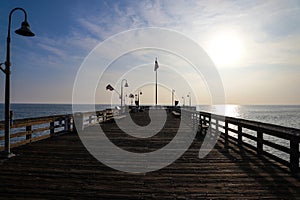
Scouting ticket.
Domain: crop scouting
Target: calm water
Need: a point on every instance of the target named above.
(39, 110)
(285, 115)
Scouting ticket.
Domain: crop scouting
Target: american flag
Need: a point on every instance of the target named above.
(156, 65)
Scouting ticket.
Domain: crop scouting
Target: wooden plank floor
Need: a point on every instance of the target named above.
(61, 167)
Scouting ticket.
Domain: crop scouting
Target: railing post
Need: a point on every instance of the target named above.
(90, 119)
(217, 126)
(28, 134)
(294, 154)
(240, 139)
(259, 144)
(52, 128)
(226, 135)
(78, 121)
(67, 123)
(104, 116)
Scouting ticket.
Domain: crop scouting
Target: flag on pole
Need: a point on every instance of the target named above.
(156, 65)
(109, 87)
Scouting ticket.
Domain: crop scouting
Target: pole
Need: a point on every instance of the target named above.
(7, 92)
(173, 97)
(7, 100)
(122, 95)
(156, 88)
(7, 72)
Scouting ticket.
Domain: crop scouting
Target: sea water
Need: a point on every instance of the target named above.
(284, 115)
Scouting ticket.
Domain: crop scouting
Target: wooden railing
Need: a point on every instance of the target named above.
(257, 136)
(24, 131)
(276, 142)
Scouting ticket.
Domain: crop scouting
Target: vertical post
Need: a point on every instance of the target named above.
(66, 123)
(155, 69)
(90, 119)
(7, 94)
(240, 140)
(259, 142)
(7, 103)
(156, 87)
(294, 154)
(226, 135)
(121, 95)
(51, 128)
(28, 134)
(78, 121)
(172, 97)
(68, 120)
(217, 127)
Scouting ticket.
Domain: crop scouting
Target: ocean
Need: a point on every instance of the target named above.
(284, 115)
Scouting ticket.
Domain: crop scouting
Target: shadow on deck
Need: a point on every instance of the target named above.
(61, 167)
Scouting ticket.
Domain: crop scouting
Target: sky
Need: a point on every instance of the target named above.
(253, 45)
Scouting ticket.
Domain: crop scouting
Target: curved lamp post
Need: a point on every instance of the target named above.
(111, 88)
(24, 31)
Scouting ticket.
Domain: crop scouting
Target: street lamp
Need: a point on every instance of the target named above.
(126, 85)
(155, 69)
(109, 87)
(138, 96)
(173, 91)
(183, 101)
(190, 100)
(24, 31)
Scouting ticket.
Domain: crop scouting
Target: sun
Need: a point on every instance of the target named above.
(226, 49)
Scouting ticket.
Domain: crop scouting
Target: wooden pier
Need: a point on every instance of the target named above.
(60, 167)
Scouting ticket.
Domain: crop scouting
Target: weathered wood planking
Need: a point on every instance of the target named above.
(60, 167)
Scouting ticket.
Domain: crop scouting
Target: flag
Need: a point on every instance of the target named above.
(109, 87)
(156, 65)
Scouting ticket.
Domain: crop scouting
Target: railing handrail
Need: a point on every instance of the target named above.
(47, 126)
(292, 135)
(255, 124)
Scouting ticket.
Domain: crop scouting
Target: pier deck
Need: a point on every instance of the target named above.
(61, 167)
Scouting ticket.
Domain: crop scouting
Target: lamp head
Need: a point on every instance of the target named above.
(25, 30)
(126, 84)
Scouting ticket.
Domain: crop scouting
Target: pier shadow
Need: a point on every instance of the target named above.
(269, 174)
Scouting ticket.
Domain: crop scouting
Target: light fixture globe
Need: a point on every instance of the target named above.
(25, 30)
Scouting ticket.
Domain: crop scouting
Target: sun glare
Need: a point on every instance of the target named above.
(226, 49)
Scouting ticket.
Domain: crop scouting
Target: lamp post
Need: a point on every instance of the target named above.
(190, 100)
(138, 96)
(173, 91)
(24, 31)
(155, 69)
(126, 85)
(183, 101)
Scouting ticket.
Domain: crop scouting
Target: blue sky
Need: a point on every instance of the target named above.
(254, 45)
